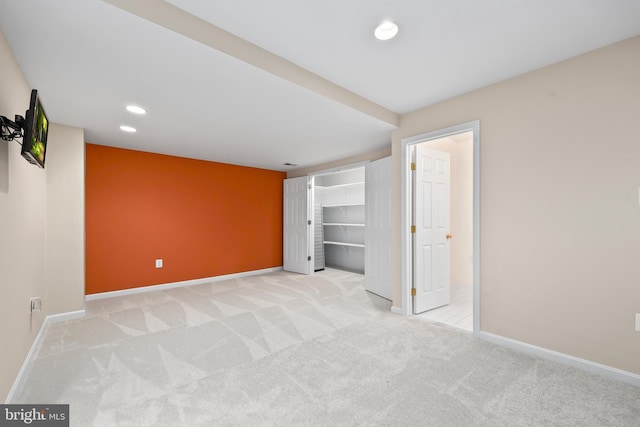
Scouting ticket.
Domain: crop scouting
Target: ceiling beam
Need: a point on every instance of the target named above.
(182, 22)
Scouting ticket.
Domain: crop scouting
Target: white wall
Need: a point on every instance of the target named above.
(23, 208)
(65, 219)
(375, 155)
(41, 227)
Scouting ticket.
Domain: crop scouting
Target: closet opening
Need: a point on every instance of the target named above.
(339, 220)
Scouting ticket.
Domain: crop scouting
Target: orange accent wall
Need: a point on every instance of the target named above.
(202, 218)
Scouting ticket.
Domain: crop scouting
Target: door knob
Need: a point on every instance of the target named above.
(449, 236)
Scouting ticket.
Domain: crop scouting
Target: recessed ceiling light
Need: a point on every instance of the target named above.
(127, 129)
(289, 164)
(135, 109)
(385, 31)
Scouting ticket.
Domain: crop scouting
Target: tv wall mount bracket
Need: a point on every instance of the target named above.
(11, 129)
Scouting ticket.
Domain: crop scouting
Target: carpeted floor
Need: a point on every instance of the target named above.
(285, 349)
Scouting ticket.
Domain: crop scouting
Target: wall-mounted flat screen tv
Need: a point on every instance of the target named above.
(36, 127)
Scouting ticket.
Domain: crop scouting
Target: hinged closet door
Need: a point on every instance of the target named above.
(377, 237)
(296, 257)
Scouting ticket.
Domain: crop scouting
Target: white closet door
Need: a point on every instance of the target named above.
(377, 236)
(296, 225)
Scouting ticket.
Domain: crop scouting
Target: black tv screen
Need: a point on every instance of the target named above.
(36, 126)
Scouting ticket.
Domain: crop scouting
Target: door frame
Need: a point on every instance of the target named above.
(406, 263)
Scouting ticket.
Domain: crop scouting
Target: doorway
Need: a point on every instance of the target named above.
(345, 195)
(338, 206)
(461, 145)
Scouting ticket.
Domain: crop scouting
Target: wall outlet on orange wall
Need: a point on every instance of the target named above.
(159, 263)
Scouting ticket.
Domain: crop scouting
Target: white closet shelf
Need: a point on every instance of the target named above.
(350, 184)
(353, 245)
(343, 205)
(343, 224)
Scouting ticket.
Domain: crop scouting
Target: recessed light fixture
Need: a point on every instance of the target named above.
(127, 129)
(386, 31)
(289, 164)
(136, 110)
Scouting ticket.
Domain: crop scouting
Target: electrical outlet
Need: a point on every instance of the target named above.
(159, 263)
(36, 304)
(637, 322)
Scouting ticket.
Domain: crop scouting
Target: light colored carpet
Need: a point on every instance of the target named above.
(285, 349)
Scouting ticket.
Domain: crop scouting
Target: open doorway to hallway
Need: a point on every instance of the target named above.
(457, 308)
(440, 222)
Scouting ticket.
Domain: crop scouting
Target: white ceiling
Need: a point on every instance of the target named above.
(90, 58)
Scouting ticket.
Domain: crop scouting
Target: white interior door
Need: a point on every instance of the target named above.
(377, 231)
(432, 271)
(296, 225)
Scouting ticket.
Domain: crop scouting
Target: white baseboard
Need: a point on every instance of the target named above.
(565, 359)
(397, 310)
(61, 317)
(166, 286)
(53, 318)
